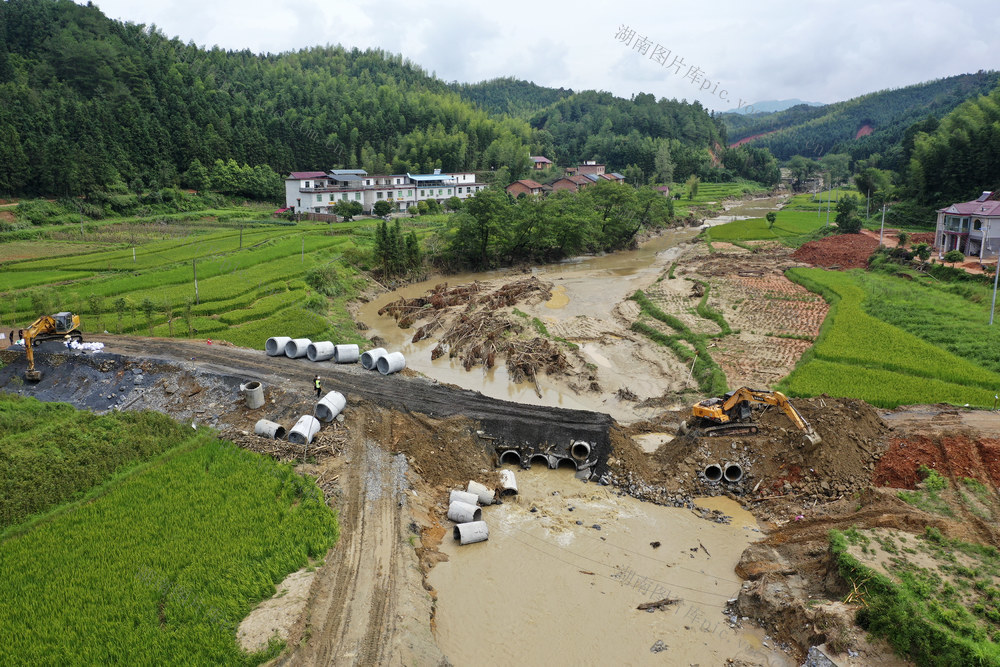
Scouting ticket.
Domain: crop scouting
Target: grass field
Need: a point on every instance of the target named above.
(159, 565)
(711, 195)
(862, 356)
(137, 275)
(801, 220)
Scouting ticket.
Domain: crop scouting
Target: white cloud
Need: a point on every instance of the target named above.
(773, 49)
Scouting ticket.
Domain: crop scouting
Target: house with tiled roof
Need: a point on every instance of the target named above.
(541, 162)
(525, 186)
(972, 227)
(573, 183)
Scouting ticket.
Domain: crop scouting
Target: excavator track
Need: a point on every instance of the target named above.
(719, 429)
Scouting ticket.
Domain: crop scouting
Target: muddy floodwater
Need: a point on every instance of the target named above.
(560, 585)
(587, 295)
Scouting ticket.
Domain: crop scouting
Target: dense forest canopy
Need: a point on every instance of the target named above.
(816, 131)
(507, 95)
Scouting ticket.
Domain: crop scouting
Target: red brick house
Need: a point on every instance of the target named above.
(541, 162)
(525, 186)
(587, 167)
(573, 183)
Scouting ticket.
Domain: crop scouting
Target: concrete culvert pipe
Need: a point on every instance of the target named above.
(485, 494)
(254, 392)
(269, 429)
(580, 450)
(460, 512)
(566, 463)
(463, 497)
(472, 532)
(539, 458)
(297, 347)
(508, 483)
(276, 346)
(320, 351)
(369, 358)
(391, 363)
(304, 431)
(733, 472)
(713, 472)
(330, 406)
(345, 354)
(511, 456)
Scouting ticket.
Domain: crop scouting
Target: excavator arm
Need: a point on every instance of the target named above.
(47, 327)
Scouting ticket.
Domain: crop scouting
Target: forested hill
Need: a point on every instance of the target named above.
(835, 128)
(86, 101)
(507, 95)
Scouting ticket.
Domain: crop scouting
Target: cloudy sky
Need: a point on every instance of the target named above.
(814, 51)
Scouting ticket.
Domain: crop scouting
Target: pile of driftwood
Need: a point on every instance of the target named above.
(407, 311)
(327, 443)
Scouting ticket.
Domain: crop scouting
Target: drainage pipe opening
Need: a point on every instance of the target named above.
(369, 359)
(391, 363)
(330, 406)
(269, 429)
(511, 456)
(713, 472)
(539, 458)
(254, 394)
(319, 351)
(508, 484)
(470, 533)
(580, 450)
(733, 472)
(460, 512)
(566, 463)
(304, 431)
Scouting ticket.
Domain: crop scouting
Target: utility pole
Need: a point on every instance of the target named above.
(882, 230)
(829, 194)
(868, 204)
(996, 276)
(194, 267)
(303, 248)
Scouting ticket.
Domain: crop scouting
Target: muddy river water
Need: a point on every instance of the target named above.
(586, 294)
(565, 567)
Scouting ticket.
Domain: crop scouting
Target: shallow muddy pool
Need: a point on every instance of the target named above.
(560, 585)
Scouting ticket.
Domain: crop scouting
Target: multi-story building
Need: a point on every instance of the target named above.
(972, 227)
(318, 192)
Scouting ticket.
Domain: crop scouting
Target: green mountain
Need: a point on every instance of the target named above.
(507, 95)
(869, 124)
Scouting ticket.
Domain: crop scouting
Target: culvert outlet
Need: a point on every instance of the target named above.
(580, 450)
(275, 346)
(369, 358)
(539, 458)
(254, 393)
(484, 494)
(472, 532)
(269, 429)
(713, 472)
(304, 431)
(460, 512)
(330, 406)
(462, 497)
(733, 472)
(566, 463)
(391, 363)
(511, 456)
(345, 354)
(320, 351)
(508, 483)
(297, 347)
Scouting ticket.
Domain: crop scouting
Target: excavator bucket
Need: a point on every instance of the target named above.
(32, 376)
(813, 438)
(684, 428)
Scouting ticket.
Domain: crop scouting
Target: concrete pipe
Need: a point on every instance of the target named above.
(297, 347)
(511, 456)
(580, 450)
(460, 512)
(330, 406)
(304, 431)
(463, 497)
(276, 346)
(345, 354)
(369, 359)
(254, 392)
(320, 351)
(391, 363)
(539, 458)
(472, 532)
(733, 472)
(508, 484)
(563, 462)
(713, 472)
(485, 495)
(269, 429)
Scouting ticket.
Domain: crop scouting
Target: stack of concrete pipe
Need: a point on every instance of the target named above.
(464, 511)
(730, 472)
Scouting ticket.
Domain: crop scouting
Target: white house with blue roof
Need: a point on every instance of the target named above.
(318, 192)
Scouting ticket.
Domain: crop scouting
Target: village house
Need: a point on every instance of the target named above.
(319, 192)
(540, 162)
(573, 183)
(584, 168)
(525, 186)
(972, 227)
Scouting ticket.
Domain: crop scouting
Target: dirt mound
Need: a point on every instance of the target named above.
(922, 237)
(961, 455)
(845, 251)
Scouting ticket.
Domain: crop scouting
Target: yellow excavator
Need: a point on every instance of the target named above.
(48, 327)
(732, 414)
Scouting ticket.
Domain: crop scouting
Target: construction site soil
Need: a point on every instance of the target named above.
(843, 251)
(405, 440)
